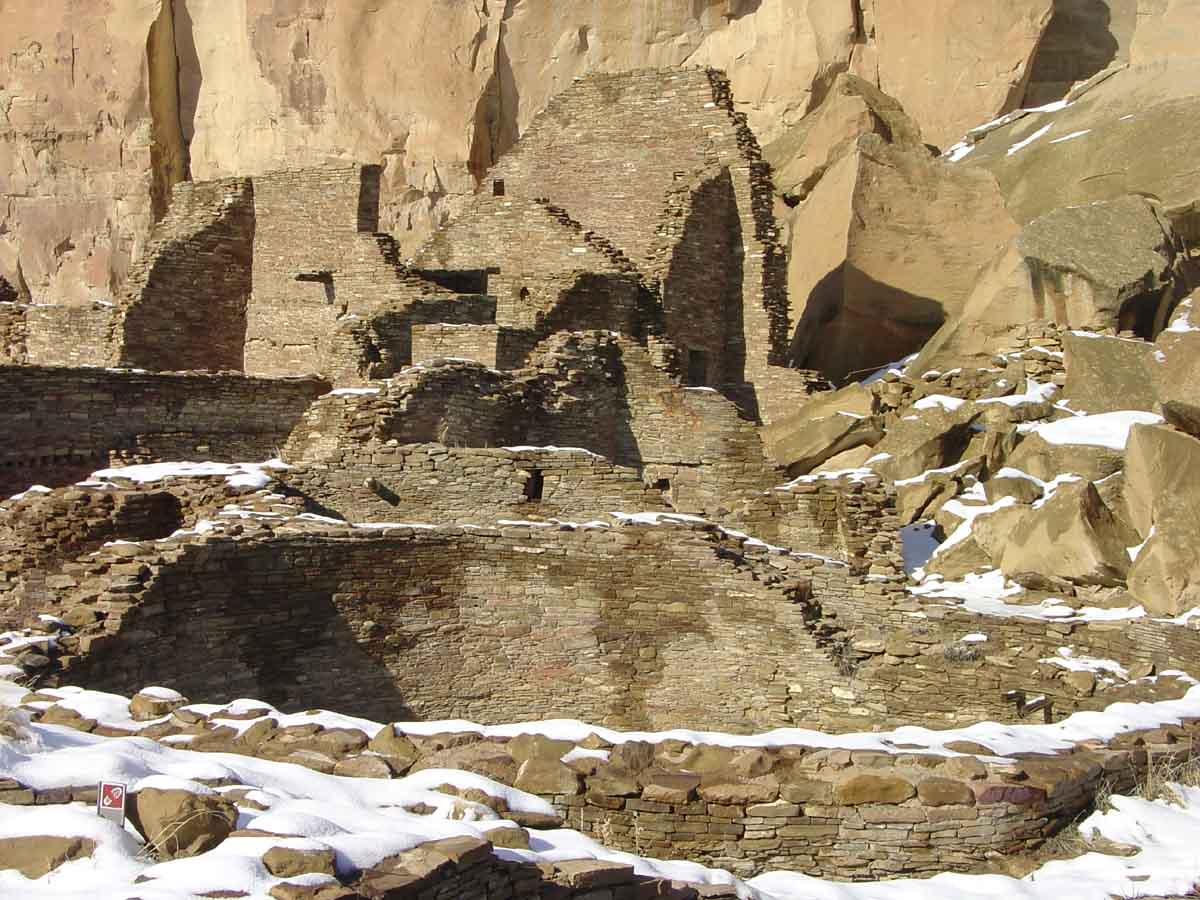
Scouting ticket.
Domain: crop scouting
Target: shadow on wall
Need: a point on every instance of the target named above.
(498, 111)
(881, 323)
(190, 76)
(702, 291)
(1081, 40)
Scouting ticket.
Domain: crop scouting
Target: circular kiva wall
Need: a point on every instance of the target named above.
(631, 626)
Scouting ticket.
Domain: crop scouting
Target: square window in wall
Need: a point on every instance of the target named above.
(697, 368)
(498, 187)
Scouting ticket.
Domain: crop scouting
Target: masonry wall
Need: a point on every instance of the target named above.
(524, 622)
(439, 484)
(613, 150)
(319, 262)
(594, 390)
(62, 424)
(184, 304)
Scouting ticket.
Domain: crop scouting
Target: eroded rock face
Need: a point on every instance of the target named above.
(1104, 265)
(1073, 535)
(947, 60)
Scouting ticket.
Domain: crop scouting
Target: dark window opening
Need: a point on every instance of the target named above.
(323, 277)
(697, 368)
(523, 293)
(534, 485)
(498, 187)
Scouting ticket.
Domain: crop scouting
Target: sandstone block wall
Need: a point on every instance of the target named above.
(480, 343)
(62, 423)
(319, 261)
(852, 518)
(595, 389)
(73, 335)
(613, 150)
(184, 305)
(433, 483)
(606, 624)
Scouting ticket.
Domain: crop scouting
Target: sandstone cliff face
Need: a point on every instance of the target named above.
(104, 105)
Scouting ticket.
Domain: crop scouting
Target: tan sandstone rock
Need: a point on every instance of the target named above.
(1074, 535)
(180, 823)
(35, 855)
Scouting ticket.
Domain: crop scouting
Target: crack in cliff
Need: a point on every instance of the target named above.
(168, 149)
(496, 128)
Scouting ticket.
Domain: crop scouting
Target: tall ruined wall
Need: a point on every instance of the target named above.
(613, 150)
(61, 424)
(545, 271)
(489, 625)
(185, 299)
(329, 292)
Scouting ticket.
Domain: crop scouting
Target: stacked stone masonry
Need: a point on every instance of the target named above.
(64, 423)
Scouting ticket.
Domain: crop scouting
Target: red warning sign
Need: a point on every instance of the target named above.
(110, 801)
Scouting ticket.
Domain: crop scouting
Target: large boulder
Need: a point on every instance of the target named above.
(887, 246)
(1131, 132)
(1072, 535)
(826, 426)
(851, 108)
(1165, 576)
(1107, 373)
(1090, 446)
(924, 440)
(181, 822)
(1161, 465)
(1105, 265)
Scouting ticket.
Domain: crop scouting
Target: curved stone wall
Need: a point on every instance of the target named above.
(632, 626)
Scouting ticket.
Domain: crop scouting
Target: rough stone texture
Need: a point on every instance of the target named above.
(180, 823)
(35, 855)
(1149, 106)
(63, 424)
(600, 391)
(1110, 265)
(950, 61)
(372, 608)
(1074, 535)
(888, 245)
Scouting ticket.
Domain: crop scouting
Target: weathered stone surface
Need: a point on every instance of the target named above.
(864, 290)
(859, 789)
(1102, 265)
(823, 427)
(286, 862)
(945, 792)
(949, 60)
(1073, 535)
(181, 823)
(145, 706)
(1161, 472)
(35, 855)
(546, 775)
(1148, 105)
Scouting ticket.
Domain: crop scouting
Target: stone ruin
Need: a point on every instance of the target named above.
(560, 463)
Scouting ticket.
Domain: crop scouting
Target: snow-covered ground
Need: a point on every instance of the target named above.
(363, 821)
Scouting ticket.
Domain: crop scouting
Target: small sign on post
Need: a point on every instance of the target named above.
(110, 802)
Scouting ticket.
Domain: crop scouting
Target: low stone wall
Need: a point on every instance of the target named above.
(819, 807)
(434, 483)
(851, 517)
(61, 423)
(593, 389)
(42, 531)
